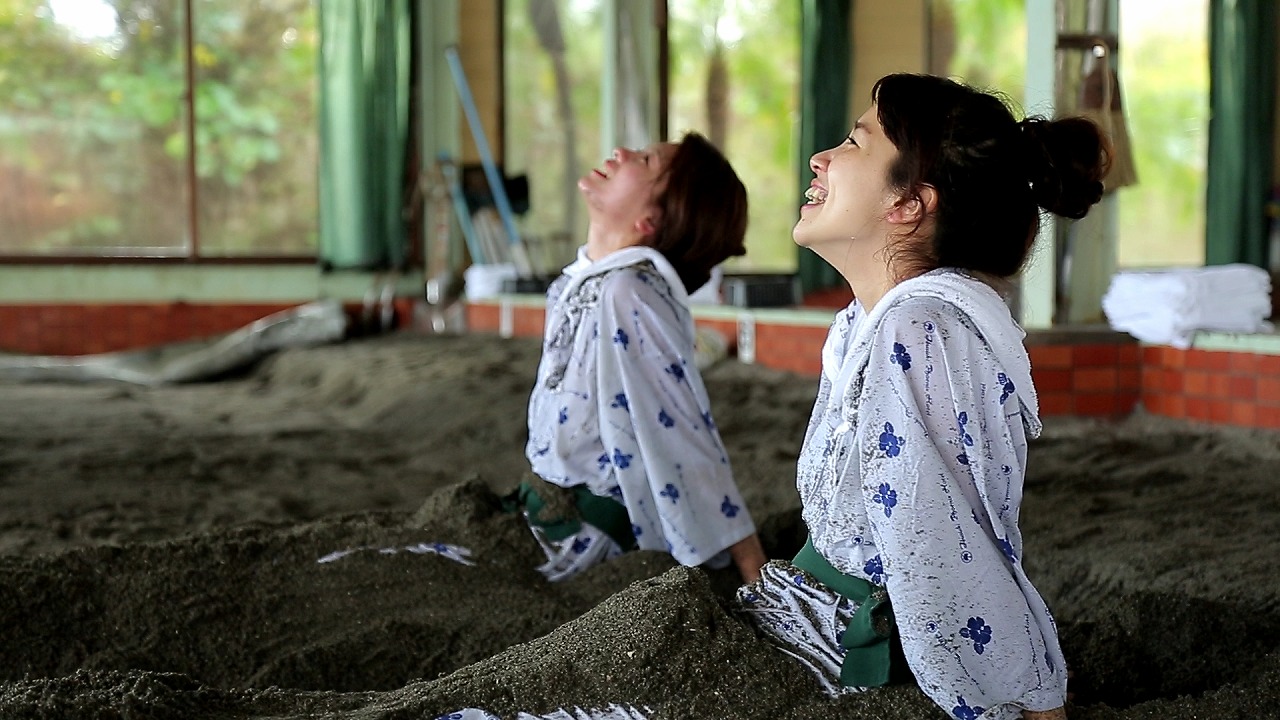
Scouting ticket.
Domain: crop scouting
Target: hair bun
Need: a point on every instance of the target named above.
(1066, 161)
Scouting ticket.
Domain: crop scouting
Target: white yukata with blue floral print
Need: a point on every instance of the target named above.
(911, 477)
(619, 406)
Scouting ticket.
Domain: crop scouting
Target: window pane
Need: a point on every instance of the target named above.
(747, 106)
(550, 142)
(92, 122)
(1164, 67)
(256, 132)
(982, 42)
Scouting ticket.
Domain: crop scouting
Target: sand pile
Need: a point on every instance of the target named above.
(159, 547)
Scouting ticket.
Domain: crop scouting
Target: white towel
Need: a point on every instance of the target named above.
(1167, 307)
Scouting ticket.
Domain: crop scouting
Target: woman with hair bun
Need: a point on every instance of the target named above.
(911, 472)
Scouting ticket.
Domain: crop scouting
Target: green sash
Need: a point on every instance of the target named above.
(867, 639)
(604, 513)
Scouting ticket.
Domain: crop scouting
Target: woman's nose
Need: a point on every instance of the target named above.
(621, 153)
(818, 163)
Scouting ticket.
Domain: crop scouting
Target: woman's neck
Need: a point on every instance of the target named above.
(865, 267)
(602, 242)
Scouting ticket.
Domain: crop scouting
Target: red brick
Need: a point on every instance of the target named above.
(1267, 417)
(1172, 381)
(1242, 387)
(1129, 378)
(1056, 404)
(1269, 365)
(1094, 379)
(1052, 380)
(1196, 382)
(1219, 360)
(482, 317)
(1243, 362)
(1127, 401)
(1171, 357)
(1220, 411)
(1268, 390)
(1130, 354)
(1155, 378)
(1095, 355)
(1097, 404)
(1050, 356)
(1243, 414)
(1203, 360)
(1219, 385)
(1152, 356)
(1197, 408)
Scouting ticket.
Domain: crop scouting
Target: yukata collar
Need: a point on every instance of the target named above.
(976, 300)
(584, 267)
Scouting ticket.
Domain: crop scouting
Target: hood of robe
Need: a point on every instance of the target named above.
(989, 313)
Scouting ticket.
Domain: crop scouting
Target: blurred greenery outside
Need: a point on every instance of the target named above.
(93, 130)
(93, 142)
(1164, 76)
(760, 41)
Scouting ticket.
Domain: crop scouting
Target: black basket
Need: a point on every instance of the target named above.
(761, 290)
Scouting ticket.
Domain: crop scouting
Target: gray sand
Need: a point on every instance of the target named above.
(158, 554)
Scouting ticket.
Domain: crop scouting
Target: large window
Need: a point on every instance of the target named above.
(735, 74)
(981, 42)
(169, 128)
(1164, 66)
(1164, 73)
(553, 53)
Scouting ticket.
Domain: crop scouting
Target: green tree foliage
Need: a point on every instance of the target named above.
(760, 41)
(1164, 73)
(95, 115)
(535, 131)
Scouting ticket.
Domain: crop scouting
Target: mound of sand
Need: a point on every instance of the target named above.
(159, 548)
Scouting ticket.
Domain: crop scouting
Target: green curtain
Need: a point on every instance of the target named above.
(1242, 84)
(826, 50)
(364, 121)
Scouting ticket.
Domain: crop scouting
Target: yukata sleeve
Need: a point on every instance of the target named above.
(656, 425)
(930, 427)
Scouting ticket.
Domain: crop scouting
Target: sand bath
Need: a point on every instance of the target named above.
(159, 547)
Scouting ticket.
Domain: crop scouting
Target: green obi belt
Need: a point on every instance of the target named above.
(868, 640)
(607, 514)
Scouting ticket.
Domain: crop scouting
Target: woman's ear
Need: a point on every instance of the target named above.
(913, 210)
(647, 224)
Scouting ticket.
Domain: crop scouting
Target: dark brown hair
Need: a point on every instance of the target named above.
(703, 211)
(992, 174)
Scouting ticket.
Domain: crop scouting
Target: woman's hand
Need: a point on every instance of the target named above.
(748, 555)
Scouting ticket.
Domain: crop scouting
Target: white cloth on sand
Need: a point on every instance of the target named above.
(613, 712)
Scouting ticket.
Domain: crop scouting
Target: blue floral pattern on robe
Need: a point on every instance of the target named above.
(911, 476)
(622, 408)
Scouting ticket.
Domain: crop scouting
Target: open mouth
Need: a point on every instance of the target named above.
(815, 195)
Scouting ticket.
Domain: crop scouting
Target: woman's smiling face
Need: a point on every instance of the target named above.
(849, 195)
(621, 192)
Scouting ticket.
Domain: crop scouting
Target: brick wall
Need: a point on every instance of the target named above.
(1095, 374)
(72, 329)
(1087, 373)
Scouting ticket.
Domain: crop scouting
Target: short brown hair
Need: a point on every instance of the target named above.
(703, 208)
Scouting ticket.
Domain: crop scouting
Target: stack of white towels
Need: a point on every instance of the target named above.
(1167, 307)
